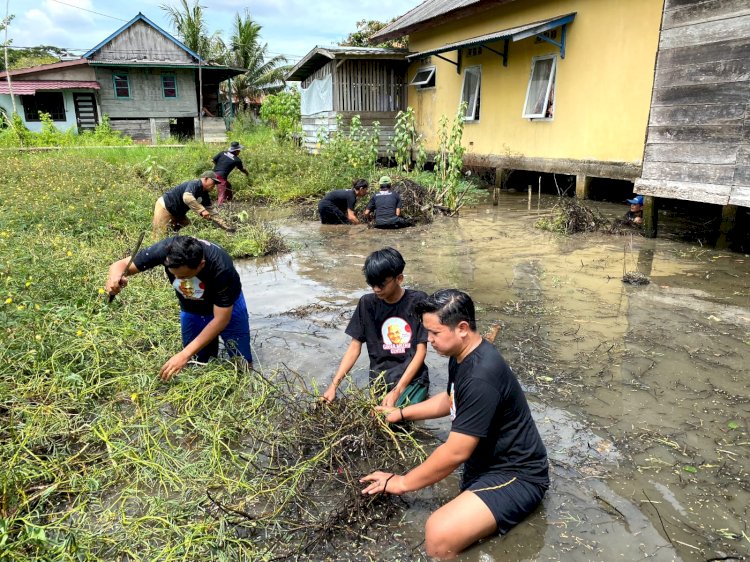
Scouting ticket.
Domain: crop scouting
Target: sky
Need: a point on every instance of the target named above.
(289, 27)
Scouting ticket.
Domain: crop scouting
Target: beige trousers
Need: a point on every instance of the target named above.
(163, 219)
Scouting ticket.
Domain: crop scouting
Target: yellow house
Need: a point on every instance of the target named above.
(555, 86)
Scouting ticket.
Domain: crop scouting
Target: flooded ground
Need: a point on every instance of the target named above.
(641, 393)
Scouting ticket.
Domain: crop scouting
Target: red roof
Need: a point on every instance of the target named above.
(30, 87)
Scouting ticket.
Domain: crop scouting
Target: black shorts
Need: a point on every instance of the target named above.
(509, 498)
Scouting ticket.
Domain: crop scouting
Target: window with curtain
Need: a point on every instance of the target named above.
(169, 85)
(539, 102)
(122, 84)
(471, 92)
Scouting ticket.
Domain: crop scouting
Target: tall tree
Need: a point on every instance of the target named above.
(366, 29)
(190, 25)
(264, 74)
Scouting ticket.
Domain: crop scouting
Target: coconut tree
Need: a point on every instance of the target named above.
(264, 74)
(190, 25)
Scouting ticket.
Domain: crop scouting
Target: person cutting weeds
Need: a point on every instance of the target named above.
(209, 290)
(171, 209)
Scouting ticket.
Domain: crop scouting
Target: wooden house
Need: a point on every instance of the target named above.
(147, 82)
(698, 144)
(550, 86)
(349, 81)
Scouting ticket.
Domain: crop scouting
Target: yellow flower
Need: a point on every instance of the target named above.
(8, 300)
(101, 291)
(20, 307)
(70, 253)
(79, 333)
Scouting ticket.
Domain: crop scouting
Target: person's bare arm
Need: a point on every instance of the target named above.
(442, 462)
(347, 362)
(222, 316)
(117, 277)
(352, 217)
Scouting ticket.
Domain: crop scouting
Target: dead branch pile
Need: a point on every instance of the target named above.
(571, 216)
(418, 201)
(308, 501)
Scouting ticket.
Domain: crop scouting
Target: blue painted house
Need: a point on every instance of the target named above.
(147, 82)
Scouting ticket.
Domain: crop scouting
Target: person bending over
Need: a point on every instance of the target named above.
(210, 294)
(337, 207)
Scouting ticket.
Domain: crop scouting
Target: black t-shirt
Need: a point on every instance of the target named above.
(343, 199)
(218, 283)
(225, 162)
(391, 332)
(173, 198)
(487, 402)
(384, 203)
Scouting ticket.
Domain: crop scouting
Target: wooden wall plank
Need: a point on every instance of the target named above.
(705, 73)
(695, 134)
(704, 12)
(698, 54)
(728, 93)
(740, 196)
(705, 114)
(742, 175)
(709, 32)
(692, 172)
(689, 152)
(743, 156)
(689, 191)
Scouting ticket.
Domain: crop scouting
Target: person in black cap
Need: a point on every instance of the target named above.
(387, 207)
(635, 214)
(337, 207)
(224, 163)
(171, 208)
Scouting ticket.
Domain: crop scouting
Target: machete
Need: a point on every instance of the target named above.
(132, 255)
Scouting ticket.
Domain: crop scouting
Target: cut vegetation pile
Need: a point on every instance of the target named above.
(100, 459)
(571, 216)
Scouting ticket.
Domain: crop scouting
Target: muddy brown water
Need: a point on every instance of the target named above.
(641, 393)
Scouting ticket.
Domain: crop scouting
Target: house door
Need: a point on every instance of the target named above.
(86, 116)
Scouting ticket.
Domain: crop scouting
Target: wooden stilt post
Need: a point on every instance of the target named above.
(726, 228)
(583, 185)
(650, 216)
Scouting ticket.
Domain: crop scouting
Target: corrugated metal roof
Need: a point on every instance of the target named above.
(319, 56)
(513, 34)
(43, 67)
(427, 10)
(30, 87)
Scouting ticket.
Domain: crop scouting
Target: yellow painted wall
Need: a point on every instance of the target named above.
(602, 90)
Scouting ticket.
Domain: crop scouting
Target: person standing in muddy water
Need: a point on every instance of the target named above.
(387, 207)
(224, 163)
(210, 294)
(337, 207)
(505, 469)
(386, 322)
(635, 215)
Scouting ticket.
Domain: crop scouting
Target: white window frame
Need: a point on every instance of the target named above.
(425, 83)
(550, 85)
(471, 109)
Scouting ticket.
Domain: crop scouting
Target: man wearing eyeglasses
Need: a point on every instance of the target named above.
(396, 341)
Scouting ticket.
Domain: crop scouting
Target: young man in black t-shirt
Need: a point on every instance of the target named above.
(387, 207)
(171, 208)
(386, 322)
(224, 163)
(337, 207)
(492, 433)
(210, 294)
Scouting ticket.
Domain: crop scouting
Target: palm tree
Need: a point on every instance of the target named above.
(190, 25)
(264, 75)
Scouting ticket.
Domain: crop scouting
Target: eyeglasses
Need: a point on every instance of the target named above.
(384, 284)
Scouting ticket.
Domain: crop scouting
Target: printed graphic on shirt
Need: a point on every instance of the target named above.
(397, 335)
(452, 397)
(192, 288)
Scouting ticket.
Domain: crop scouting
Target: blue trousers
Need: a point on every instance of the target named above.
(236, 336)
